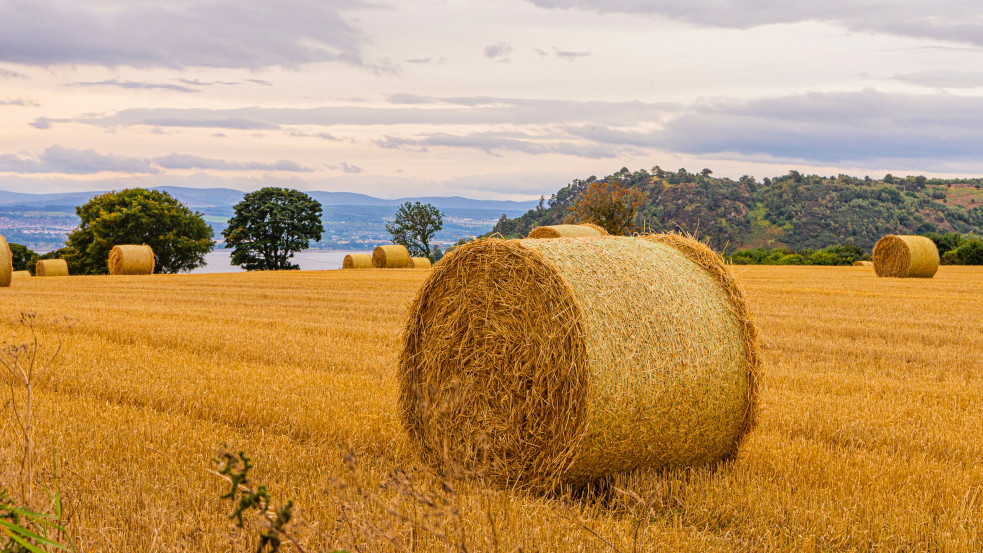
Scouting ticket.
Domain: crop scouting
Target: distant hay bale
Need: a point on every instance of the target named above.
(905, 257)
(51, 268)
(567, 231)
(863, 263)
(420, 263)
(357, 261)
(6, 263)
(131, 259)
(21, 274)
(391, 257)
(542, 362)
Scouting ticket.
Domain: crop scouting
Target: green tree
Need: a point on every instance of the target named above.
(414, 227)
(179, 237)
(23, 258)
(270, 225)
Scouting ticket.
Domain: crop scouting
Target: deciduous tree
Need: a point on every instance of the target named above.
(270, 225)
(415, 226)
(179, 237)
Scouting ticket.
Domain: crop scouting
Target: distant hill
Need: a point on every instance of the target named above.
(794, 210)
(351, 220)
(205, 198)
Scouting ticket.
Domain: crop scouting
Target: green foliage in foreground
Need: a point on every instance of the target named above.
(840, 254)
(25, 531)
(958, 249)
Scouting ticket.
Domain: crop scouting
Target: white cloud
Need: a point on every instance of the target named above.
(941, 78)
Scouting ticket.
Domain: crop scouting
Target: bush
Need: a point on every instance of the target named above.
(23, 257)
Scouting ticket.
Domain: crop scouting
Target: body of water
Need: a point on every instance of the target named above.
(219, 260)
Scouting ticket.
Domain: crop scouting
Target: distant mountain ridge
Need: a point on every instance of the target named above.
(218, 198)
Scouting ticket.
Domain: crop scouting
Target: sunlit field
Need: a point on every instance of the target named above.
(870, 435)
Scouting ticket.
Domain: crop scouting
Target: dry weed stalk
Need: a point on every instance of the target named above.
(23, 365)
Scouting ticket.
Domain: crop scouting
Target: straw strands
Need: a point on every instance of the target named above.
(390, 257)
(6, 263)
(357, 261)
(541, 362)
(131, 260)
(905, 257)
(51, 268)
(420, 263)
(567, 231)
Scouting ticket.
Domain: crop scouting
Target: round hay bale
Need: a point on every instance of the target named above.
(390, 257)
(21, 274)
(567, 231)
(420, 263)
(357, 261)
(131, 259)
(905, 257)
(863, 263)
(535, 363)
(6, 263)
(51, 267)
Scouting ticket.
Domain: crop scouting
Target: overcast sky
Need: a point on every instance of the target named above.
(505, 99)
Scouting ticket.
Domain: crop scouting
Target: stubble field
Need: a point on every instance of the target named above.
(870, 434)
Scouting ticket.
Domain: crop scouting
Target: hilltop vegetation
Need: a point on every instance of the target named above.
(793, 211)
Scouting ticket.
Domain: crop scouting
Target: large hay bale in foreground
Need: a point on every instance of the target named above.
(543, 362)
(357, 261)
(567, 231)
(131, 259)
(51, 267)
(863, 263)
(420, 263)
(6, 263)
(391, 257)
(905, 257)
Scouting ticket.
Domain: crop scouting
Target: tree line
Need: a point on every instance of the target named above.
(267, 228)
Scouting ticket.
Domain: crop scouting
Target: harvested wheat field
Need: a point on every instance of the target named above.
(869, 434)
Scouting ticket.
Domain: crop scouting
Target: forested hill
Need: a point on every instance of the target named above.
(793, 211)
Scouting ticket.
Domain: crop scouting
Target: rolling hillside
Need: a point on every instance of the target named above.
(794, 210)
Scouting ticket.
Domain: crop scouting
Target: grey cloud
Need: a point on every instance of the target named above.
(854, 127)
(493, 142)
(8, 74)
(942, 78)
(499, 52)
(22, 102)
(184, 161)
(321, 135)
(351, 169)
(237, 123)
(946, 20)
(134, 85)
(57, 159)
(200, 83)
(464, 111)
(211, 33)
(569, 55)
(41, 123)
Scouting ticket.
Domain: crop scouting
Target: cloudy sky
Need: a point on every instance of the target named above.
(504, 99)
